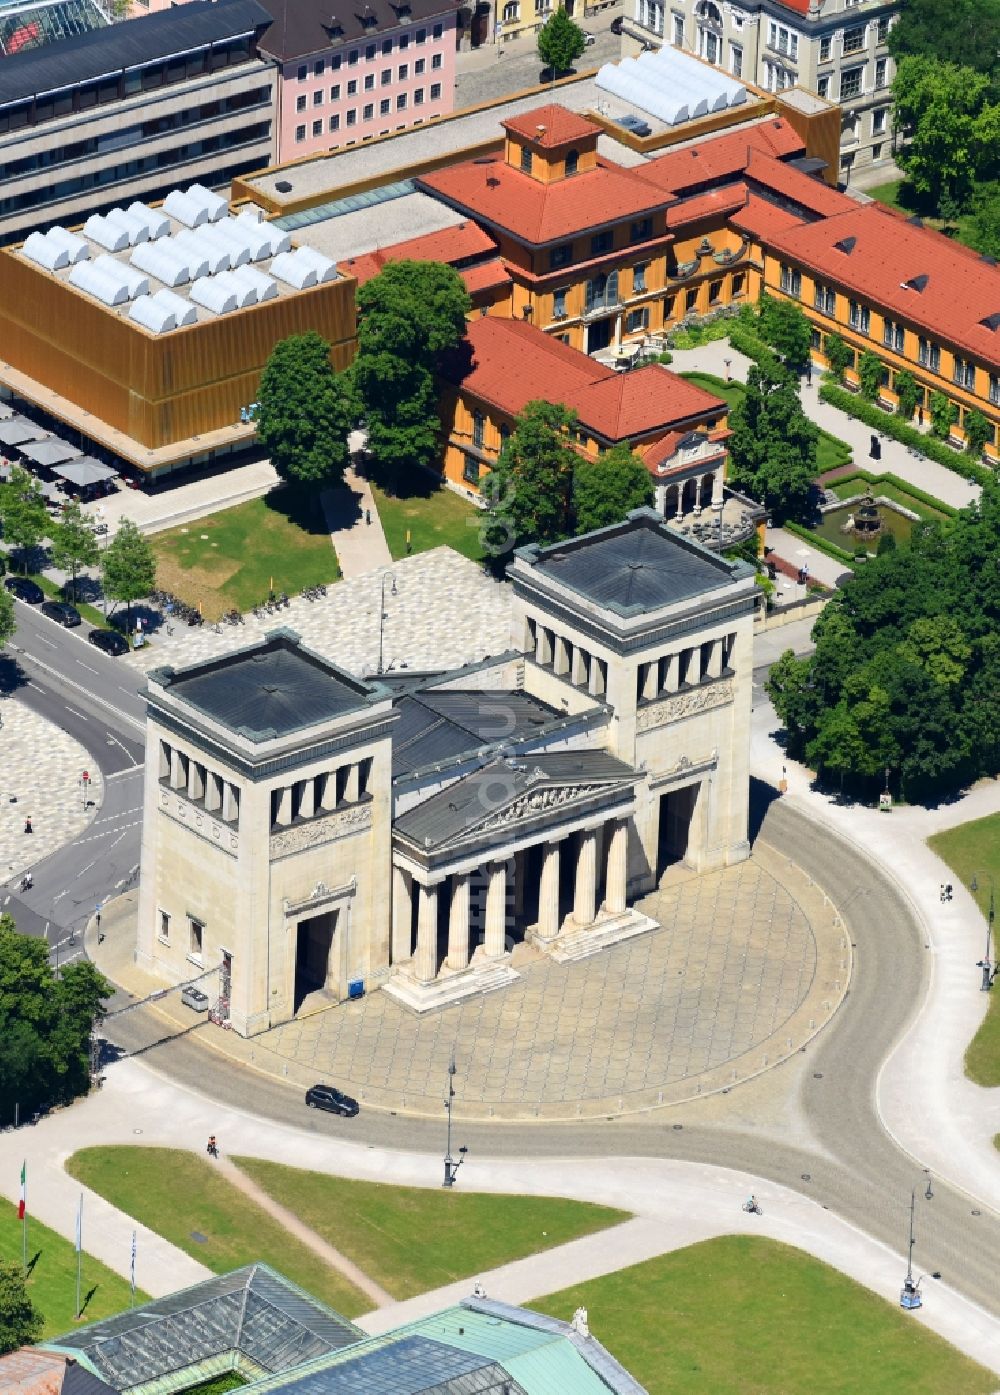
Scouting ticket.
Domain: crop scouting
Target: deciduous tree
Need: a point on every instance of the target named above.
(74, 542)
(839, 355)
(944, 414)
(772, 451)
(529, 491)
(871, 371)
(605, 490)
(560, 42)
(967, 34)
(305, 411)
(909, 392)
(22, 508)
(784, 326)
(8, 617)
(20, 1321)
(128, 566)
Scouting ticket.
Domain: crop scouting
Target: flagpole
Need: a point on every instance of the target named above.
(24, 1217)
(79, 1251)
(132, 1300)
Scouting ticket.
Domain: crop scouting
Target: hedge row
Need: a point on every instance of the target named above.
(904, 486)
(908, 435)
(744, 341)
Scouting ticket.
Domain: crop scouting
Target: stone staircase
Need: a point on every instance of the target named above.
(580, 943)
(482, 976)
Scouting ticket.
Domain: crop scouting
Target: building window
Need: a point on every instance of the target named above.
(369, 82)
(164, 931)
(368, 112)
(823, 87)
(691, 300)
(352, 58)
(738, 281)
(639, 277)
(825, 45)
(334, 123)
(404, 41)
(879, 120)
(825, 300)
(860, 317)
(893, 336)
(318, 67)
(572, 164)
(964, 373)
(642, 230)
(302, 73)
(421, 36)
(300, 133)
(404, 72)
(929, 355)
(714, 292)
(435, 91)
(419, 67)
(736, 59)
(384, 107)
(995, 391)
(478, 430)
(791, 281)
(782, 39)
(559, 304)
(197, 938)
(637, 321)
(854, 39)
(318, 97)
(882, 29)
(335, 92)
(370, 52)
(881, 72)
(401, 102)
(437, 31)
(418, 97)
(601, 243)
(352, 116)
(471, 470)
(300, 103)
(602, 292)
(525, 160)
(317, 128)
(436, 60)
(385, 77)
(560, 256)
(668, 308)
(851, 83)
(352, 88)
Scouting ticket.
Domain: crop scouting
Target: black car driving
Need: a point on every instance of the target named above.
(326, 1097)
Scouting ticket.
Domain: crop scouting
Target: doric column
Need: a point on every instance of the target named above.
(402, 913)
(585, 891)
(715, 659)
(578, 667)
(307, 799)
(548, 893)
(617, 866)
(425, 961)
(560, 660)
(670, 675)
(283, 814)
(680, 502)
(650, 680)
(496, 910)
(328, 790)
(213, 791)
(458, 922)
(230, 802)
(352, 783)
(177, 776)
(697, 493)
(196, 780)
(543, 646)
(596, 687)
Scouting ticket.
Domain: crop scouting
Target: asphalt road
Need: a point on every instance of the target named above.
(95, 699)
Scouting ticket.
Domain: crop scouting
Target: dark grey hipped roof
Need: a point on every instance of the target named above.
(253, 1311)
(302, 27)
(181, 29)
(481, 799)
(637, 566)
(444, 724)
(269, 690)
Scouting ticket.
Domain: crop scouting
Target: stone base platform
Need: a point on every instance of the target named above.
(580, 942)
(479, 978)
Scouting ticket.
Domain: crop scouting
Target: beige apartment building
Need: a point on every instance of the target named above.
(310, 836)
(833, 48)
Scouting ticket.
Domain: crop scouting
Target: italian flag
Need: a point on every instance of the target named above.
(23, 1202)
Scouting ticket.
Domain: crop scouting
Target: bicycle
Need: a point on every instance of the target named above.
(752, 1207)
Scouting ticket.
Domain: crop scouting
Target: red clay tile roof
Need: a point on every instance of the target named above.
(562, 127)
(722, 157)
(485, 275)
(514, 363)
(801, 188)
(961, 290)
(537, 213)
(447, 245)
(715, 203)
(762, 219)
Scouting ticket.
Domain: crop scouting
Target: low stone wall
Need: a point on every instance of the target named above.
(795, 610)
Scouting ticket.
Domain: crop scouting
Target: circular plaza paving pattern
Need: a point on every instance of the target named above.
(748, 963)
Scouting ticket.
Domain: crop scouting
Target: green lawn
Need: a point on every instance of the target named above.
(747, 1316)
(409, 1239)
(898, 194)
(433, 520)
(973, 849)
(221, 1385)
(831, 451)
(52, 1285)
(233, 558)
(179, 1194)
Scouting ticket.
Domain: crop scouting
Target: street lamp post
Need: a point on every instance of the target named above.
(910, 1297)
(386, 577)
(450, 1165)
(985, 963)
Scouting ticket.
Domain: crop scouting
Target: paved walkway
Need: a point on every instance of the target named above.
(748, 966)
(446, 612)
(935, 479)
(42, 770)
(355, 527)
(676, 1203)
(793, 549)
(171, 504)
(327, 1253)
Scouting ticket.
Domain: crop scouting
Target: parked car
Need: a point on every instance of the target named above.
(108, 641)
(62, 612)
(635, 124)
(194, 998)
(588, 38)
(326, 1097)
(25, 590)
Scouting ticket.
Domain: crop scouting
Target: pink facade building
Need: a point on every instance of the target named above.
(350, 71)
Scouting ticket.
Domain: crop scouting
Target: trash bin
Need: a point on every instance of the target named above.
(356, 988)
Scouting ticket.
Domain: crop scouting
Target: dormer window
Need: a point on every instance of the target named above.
(846, 245)
(915, 283)
(334, 28)
(572, 162)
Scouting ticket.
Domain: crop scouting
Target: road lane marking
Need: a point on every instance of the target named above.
(111, 737)
(61, 677)
(124, 774)
(88, 668)
(47, 641)
(76, 713)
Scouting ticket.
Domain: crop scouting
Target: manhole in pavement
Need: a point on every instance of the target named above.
(817, 1075)
(806, 1176)
(977, 1213)
(677, 1127)
(198, 1238)
(936, 1274)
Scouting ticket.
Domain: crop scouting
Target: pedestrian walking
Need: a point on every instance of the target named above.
(27, 825)
(368, 515)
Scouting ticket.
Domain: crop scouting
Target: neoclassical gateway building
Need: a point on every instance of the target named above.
(317, 836)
